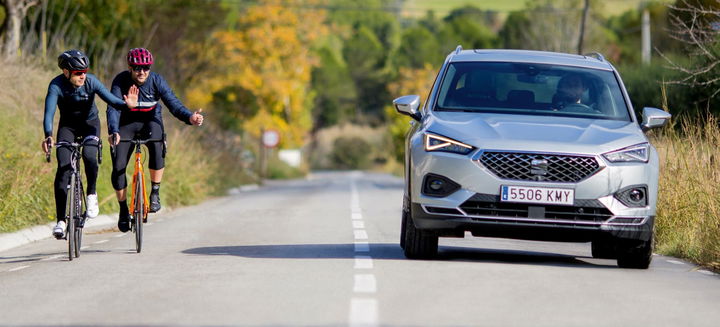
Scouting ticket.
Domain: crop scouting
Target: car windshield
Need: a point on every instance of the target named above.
(536, 89)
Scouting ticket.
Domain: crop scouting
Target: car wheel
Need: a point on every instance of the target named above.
(603, 250)
(419, 244)
(403, 225)
(635, 255)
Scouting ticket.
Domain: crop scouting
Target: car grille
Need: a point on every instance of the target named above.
(558, 168)
(583, 212)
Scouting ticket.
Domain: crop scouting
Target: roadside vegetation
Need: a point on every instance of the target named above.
(688, 210)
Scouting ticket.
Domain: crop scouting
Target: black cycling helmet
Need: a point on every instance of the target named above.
(73, 60)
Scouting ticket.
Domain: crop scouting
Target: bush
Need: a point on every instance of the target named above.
(351, 152)
(325, 153)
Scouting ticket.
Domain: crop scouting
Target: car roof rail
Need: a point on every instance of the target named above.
(596, 55)
(458, 49)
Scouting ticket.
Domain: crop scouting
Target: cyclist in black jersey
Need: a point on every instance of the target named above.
(144, 120)
(73, 92)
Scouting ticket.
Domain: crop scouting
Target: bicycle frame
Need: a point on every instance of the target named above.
(139, 176)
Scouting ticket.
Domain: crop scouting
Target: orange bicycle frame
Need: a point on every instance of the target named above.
(138, 175)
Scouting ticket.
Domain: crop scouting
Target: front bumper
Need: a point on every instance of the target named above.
(554, 228)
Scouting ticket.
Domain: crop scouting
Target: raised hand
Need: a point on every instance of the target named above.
(197, 118)
(131, 99)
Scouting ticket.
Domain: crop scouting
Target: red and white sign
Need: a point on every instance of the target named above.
(271, 138)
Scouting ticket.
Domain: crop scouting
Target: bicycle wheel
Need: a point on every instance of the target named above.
(80, 214)
(70, 218)
(138, 214)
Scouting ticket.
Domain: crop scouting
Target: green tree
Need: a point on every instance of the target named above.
(335, 93)
(418, 46)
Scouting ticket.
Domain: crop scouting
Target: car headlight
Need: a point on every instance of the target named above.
(440, 143)
(635, 153)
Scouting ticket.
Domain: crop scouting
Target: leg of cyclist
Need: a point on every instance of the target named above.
(123, 151)
(90, 154)
(62, 178)
(156, 164)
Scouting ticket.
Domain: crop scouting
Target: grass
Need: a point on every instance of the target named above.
(200, 162)
(688, 211)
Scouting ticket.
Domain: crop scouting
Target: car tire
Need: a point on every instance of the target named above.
(418, 244)
(635, 255)
(603, 250)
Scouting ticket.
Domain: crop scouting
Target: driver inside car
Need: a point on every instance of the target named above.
(570, 90)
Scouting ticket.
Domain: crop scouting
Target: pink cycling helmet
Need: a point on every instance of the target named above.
(139, 56)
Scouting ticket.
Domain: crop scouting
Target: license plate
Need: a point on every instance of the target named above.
(537, 195)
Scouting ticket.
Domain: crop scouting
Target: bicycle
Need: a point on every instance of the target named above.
(139, 206)
(76, 203)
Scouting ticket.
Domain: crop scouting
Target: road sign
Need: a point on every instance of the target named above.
(271, 138)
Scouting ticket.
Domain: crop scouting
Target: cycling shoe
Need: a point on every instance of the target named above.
(59, 230)
(124, 223)
(154, 202)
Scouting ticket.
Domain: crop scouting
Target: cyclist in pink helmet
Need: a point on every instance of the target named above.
(144, 120)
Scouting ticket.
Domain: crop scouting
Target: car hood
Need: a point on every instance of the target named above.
(535, 133)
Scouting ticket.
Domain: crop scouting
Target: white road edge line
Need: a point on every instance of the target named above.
(101, 242)
(706, 272)
(675, 262)
(18, 268)
(363, 313)
(52, 257)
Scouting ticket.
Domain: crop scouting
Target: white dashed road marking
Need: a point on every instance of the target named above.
(675, 262)
(363, 262)
(363, 312)
(364, 309)
(365, 283)
(360, 234)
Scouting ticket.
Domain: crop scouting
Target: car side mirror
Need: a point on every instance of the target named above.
(653, 118)
(408, 105)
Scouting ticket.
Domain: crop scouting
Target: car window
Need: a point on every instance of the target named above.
(521, 88)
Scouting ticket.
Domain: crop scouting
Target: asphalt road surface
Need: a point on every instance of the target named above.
(324, 252)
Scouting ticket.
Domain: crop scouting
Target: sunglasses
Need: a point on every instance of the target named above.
(138, 68)
(78, 72)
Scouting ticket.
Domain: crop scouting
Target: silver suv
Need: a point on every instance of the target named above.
(530, 145)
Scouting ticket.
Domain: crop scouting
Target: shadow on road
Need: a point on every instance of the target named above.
(392, 251)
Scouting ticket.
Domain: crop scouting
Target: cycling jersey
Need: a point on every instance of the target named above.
(149, 108)
(76, 104)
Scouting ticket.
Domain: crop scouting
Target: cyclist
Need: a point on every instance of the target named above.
(145, 120)
(73, 92)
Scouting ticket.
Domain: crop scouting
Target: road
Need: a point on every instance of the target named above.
(324, 252)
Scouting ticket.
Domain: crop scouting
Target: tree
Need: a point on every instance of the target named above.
(696, 24)
(267, 61)
(15, 12)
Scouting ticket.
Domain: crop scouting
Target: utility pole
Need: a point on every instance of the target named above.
(645, 36)
(582, 26)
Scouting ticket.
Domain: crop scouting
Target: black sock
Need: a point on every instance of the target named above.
(155, 187)
(124, 208)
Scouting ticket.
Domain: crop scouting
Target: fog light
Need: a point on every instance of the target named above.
(438, 186)
(637, 195)
(633, 196)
